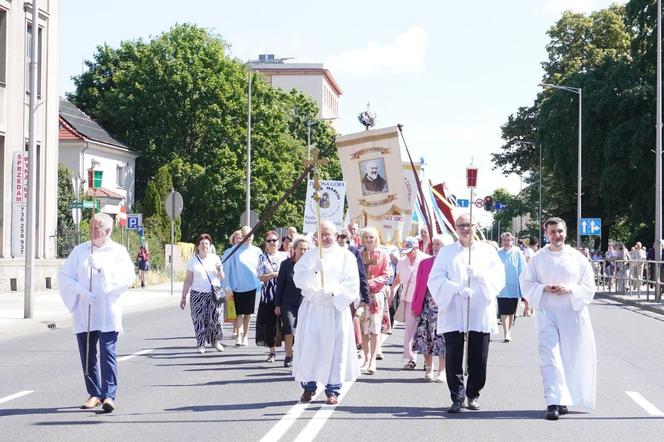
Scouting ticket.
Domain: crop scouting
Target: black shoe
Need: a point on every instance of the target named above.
(307, 395)
(456, 407)
(552, 413)
(288, 361)
(562, 409)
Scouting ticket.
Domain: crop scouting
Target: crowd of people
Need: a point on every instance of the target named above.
(332, 304)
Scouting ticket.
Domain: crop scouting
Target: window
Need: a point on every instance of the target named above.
(119, 176)
(28, 59)
(3, 46)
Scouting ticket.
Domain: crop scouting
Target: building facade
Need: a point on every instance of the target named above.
(86, 146)
(16, 33)
(312, 79)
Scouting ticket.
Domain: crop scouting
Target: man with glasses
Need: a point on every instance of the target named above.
(466, 274)
(559, 283)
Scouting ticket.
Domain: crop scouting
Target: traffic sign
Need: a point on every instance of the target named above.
(479, 203)
(173, 204)
(85, 204)
(590, 226)
(462, 202)
(140, 231)
(134, 221)
(499, 206)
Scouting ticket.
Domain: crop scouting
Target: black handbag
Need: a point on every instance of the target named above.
(218, 293)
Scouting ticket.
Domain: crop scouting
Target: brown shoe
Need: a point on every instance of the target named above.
(92, 402)
(332, 400)
(108, 405)
(306, 396)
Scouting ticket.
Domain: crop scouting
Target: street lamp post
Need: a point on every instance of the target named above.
(579, 92)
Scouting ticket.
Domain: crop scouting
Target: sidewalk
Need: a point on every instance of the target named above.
(635, 299)
(49, 311)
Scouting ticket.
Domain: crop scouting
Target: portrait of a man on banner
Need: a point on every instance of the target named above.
(373, 175)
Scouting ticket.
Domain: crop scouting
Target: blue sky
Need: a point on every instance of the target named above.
(450, 71)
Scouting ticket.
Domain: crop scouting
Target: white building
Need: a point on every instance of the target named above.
(311, 79)
(85, 145)
(16, 33)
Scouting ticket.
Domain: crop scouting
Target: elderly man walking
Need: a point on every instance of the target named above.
(457, 285)
(324, 338)
(559, 283)
(92, 279)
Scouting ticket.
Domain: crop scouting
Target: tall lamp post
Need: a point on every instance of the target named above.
(579, 92)
(250, 64)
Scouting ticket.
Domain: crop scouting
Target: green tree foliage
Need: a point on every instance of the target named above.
(181, 102)
(66, 228)
(608, 54)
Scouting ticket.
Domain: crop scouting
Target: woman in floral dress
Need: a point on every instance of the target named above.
(379, 271)
(427, 341)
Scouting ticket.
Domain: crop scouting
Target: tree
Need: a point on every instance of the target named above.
(181, 102)
(66, 238)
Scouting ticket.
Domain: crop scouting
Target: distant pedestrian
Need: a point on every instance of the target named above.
(458, 286)
(324, 350)
(637, 258)
(529, 252)
(204, 271)
(559, 283)
(268, 270)
(92, 280)
(287, 297)
(508, 298)
(143, 262)
(242, 280)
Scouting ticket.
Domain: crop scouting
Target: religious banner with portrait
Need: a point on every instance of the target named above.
(332, 194)
(372, 168)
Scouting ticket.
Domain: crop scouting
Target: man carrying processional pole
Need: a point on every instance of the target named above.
(324, 339)
(465, 280)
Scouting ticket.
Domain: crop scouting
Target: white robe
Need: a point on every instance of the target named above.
(324, 339)
(449, 275)
(566, 339)
(117, 274)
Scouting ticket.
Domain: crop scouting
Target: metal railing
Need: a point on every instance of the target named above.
(630, 277)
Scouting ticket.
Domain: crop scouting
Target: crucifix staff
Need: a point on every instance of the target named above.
(471, 182)
(314, 163)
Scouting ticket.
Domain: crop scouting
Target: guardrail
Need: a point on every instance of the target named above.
(630, 277)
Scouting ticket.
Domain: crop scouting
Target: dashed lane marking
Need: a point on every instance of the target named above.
(644, 403)
(288, 420)
(15, 396)
(138, 353)
(318, 421)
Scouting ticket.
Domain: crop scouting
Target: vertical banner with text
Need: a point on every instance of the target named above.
(19, 202)
(332, 197)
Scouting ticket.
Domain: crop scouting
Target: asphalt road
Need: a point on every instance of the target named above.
(170, 392)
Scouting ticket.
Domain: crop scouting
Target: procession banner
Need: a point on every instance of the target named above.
(331, 203)
(372, 168)
(19, 202)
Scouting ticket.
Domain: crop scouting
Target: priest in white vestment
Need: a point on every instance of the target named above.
(454, 285)
(559, 283)
(324, 338)
(95, 306)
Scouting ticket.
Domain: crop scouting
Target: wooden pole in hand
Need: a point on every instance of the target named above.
(471, 181)
(314, 162)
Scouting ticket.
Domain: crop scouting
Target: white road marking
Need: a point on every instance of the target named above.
(138, 353)
(15, 396)
(644, 403)
(288, 420)
(316, 423)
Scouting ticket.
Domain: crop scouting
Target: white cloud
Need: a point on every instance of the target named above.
(404, 55)
(557, 7)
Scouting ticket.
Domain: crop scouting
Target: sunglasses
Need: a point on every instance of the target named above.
(342, 236)
(271, 240)
(464, 226)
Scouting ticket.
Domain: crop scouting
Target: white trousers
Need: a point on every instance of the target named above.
(567, 356)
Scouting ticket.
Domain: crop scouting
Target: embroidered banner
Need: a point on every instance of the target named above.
(372, 168)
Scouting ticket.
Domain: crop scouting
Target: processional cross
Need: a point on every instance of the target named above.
(314, 163)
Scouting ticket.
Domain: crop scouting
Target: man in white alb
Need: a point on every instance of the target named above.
(559, 283)
(324, 338)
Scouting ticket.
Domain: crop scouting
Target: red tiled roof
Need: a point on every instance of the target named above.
(102, 192)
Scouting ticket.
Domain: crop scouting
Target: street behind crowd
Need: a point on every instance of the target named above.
(167, 391)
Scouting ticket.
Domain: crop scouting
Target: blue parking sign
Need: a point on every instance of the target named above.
(134, 221)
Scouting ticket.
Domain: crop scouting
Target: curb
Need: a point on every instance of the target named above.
(656, 308)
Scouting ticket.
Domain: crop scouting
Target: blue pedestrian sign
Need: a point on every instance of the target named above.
(462, 202)
(590, 226)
